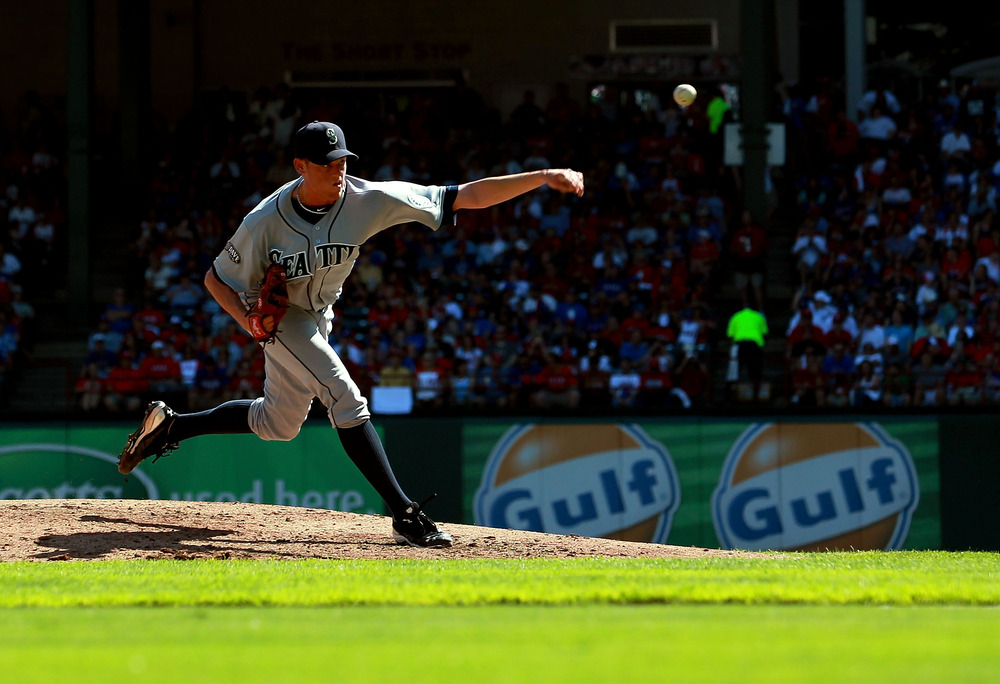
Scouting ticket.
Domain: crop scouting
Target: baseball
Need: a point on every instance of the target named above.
(684, 94)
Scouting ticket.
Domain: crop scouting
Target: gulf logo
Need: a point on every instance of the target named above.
(815, 487)
(600, 480)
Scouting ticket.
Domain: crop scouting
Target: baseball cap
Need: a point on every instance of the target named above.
(321, 142)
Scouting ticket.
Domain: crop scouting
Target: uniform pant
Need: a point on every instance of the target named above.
(751, 355)
(301, 365)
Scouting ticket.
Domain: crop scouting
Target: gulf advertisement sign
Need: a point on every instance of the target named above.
(594, 480)
(815, 487)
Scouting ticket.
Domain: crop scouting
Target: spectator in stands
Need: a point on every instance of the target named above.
(557, 386)
(955, 146)
(394, 373)
(928, 381)
(694, 331)
(691, 377)
(160, 370)
(838, 372)
(430, 382)
(89, 389)
(748, 249)
(842, 140)
(488, 391)
(158, 276)
(747, 330)
(703, 254)
(635, 348)
(963, 382)
(867, 390)
(871, 332)
(189, 359)
(21, 219)
(807, 382)
(656, 382)
(961, 329)
(10, 265)
(642, 234)
(24, 312)
(125, 387)
(10, 335)
(211, 385)
(896, 194)
(119, 312)
(184, 296)
(100, 357)
(899, 276)
(897, 390)
(810, 250)
(878, 129)
(991, 378)
(246, 383)
(594, 375)
(927, 293)
(983, 200)
(879, 95)
(625, 384)
(805, 338)
(461, 382)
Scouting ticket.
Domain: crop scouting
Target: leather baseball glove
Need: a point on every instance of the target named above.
(272, 302)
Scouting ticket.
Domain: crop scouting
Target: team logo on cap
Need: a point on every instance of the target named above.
(593, 480)
(813, 487)
(331, 135)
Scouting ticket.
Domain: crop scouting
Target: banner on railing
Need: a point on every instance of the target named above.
(79, 461)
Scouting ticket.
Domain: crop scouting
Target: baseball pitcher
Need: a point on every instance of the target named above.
(280, 275)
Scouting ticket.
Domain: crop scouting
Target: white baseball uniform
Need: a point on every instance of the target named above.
(301, 363)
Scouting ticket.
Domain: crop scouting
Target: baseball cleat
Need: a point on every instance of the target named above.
(150, 439)
(416, 529)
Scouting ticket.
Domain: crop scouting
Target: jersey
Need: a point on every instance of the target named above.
(319, 257)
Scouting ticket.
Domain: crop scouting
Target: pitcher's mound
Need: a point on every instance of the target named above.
(104, 529)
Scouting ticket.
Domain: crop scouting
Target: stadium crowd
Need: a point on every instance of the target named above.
(609, 301)
(897, 250)
(549, 302)
(32, 242)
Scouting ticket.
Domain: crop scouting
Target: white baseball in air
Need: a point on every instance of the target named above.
(684, 94)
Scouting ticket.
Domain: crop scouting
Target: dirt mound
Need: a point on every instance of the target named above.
(104, 529)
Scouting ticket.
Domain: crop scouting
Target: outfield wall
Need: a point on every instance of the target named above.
(907, 482)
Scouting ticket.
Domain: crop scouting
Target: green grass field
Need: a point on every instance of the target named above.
(863, 617)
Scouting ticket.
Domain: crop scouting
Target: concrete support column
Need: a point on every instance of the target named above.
(758, 30)
(79, 110)
(855, 63)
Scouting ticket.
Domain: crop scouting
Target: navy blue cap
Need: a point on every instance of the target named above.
(321, 142)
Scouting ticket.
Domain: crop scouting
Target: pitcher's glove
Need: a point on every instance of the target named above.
(272, 302)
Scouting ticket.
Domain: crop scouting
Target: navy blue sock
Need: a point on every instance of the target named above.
(365, 449)
(230, 418)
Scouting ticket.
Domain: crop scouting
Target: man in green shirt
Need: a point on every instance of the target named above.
(747, 329)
